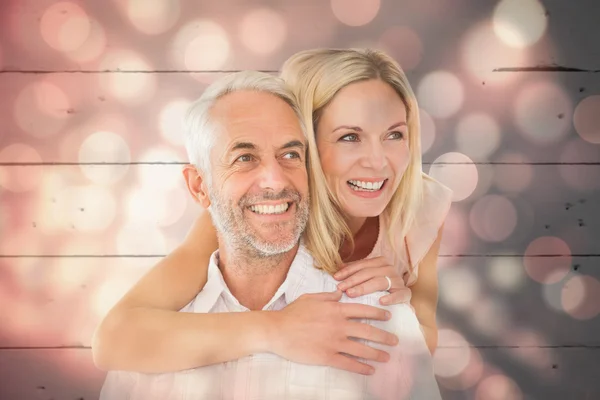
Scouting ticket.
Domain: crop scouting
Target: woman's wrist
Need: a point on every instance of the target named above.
(263, 331)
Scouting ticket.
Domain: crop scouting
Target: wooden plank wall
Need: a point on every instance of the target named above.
(91, 191)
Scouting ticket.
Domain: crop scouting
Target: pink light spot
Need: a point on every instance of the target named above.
(555, 264)
(587, 119)
(355, 12)
(580, 297)
(65, 26)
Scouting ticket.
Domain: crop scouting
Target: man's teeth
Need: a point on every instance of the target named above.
(360, 185)
(270, 209)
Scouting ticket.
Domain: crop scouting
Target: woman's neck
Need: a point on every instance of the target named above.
(355, 224)
(365, 236)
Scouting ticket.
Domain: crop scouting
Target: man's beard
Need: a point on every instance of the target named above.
(233, 225)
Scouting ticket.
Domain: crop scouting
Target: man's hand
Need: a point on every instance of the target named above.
(316, 329)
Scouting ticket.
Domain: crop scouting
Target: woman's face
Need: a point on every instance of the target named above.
(362, 138)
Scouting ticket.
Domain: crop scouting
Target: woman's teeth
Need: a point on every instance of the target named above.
(361, 186)
(270, 209)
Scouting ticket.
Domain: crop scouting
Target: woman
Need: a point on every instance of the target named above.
(370, 200)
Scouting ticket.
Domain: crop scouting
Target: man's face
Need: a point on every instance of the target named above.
(259, 186)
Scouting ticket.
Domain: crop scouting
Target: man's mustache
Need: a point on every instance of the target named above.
(268, 195)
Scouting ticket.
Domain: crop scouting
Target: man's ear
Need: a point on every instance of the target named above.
(196, 185)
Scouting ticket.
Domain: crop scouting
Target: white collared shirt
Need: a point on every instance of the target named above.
(265, 376)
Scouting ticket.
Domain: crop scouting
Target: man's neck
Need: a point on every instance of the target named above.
(253, 280)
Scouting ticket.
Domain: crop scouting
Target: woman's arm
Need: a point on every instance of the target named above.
(139, 332)
(425, 294)
(145, 333)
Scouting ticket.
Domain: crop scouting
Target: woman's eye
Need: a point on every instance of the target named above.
(396, 135)
(244, 158)
(352, 137)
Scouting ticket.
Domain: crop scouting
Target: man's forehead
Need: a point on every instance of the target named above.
(256, 117)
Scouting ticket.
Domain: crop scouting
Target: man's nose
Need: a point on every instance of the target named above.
(272, 176)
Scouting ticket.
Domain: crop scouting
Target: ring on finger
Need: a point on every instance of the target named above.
(389, 283)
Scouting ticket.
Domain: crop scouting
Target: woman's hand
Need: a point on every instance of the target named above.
(369, 276)
(316, 329)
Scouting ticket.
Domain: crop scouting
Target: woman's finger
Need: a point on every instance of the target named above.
(366, 274)
(354, 266)
(373, 285)
(397, 297)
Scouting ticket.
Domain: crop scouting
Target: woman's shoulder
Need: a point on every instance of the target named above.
(429, 218)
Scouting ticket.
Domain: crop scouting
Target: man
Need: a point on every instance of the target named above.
(249, 147)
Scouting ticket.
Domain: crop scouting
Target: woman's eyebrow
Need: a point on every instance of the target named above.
(353, 128)
(396, 125)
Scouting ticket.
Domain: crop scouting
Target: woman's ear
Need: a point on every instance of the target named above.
(196, 185)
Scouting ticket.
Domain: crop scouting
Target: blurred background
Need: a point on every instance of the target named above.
(91, 191)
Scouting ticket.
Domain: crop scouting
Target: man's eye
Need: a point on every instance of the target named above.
(291, 155)
(396, 135)
(352, 137)
(244, 158)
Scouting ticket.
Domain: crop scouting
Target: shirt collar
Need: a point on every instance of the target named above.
(299, 280)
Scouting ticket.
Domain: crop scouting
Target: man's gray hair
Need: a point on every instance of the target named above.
(200, 130)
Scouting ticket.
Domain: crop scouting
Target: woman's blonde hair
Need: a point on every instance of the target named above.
(315, 77)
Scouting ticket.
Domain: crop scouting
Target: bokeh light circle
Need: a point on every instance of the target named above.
(490, 316)
(125, 83)
(543, 112)
(427, 131)
(456, 229)
(451, 363)
(533, 348)
(441, 94)
(404, 45)
(463, 277)
(171, 121)
(506, 273)
(85, 208)
(263, 31)
(92, 48)
(153, 17)
(516, 175)
(493, 218)
(140, 239)
(355, 12)
(145, 206)
(65, 26)
(20, 178)
(587, 119)
(555, 263)
(498, 387)
(580, 177)
(478, 135)
(482, 40)
(201, 45)
(157, 176)
(104, 147)
(456, 171)
(580, 297)
(520, 23)
(42, 109)
(468, 377)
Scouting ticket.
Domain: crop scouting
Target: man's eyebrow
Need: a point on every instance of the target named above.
(243, 146)
(294, 143)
